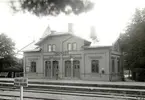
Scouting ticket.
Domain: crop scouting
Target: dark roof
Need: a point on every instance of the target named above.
(13, 69)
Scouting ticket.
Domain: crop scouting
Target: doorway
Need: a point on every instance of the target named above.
(67, 68)
(76, 69)
(55, 69)
(48, 69)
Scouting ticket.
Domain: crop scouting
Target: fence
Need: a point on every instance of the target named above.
(19, 74)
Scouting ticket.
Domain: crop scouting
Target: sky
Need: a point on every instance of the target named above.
(110, 18)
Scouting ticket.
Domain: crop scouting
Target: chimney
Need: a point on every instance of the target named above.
(93, 35)
(70, 27)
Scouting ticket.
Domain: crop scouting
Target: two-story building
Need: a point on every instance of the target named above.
(66, 56)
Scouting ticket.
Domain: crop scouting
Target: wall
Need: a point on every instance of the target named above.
(28, 57)
(115, 75)
(77, 40)
(84, 56)
(57, 40)
(96, 54)
(61, 43)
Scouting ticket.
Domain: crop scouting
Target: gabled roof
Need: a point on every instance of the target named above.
(31, 48)
(59, 34)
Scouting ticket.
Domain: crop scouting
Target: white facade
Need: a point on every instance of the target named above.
(65, 56)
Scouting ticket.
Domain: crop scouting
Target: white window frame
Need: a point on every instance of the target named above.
(74, 46)
(49, 48)
(53, 47)
(69, 46)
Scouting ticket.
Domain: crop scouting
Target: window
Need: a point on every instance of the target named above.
(74, 46)
(53, 47)
(69, 47)
(33, 66)
(95, 66)
(118, 64)
(113, 64)
(49, 48)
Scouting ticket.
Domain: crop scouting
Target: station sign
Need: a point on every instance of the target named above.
(21, 81)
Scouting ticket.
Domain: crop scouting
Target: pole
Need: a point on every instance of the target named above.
(21, 92)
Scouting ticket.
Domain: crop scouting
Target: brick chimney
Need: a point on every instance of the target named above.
(70, 28)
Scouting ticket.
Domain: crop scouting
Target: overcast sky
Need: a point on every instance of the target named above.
(110, 18)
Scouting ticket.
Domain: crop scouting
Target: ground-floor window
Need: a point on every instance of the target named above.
(33, 66)
(113, 64)
(118, 64)
(95, 66)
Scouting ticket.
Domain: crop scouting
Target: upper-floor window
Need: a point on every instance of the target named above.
(74, 46)
(53, 47)
(33, 66)
(69, 46)
(49, 48)
(95, 66)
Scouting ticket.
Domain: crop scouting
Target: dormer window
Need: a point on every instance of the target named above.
(53, 47)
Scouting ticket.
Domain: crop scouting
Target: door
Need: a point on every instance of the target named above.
(48, 68)
(76, 69)
(67, 68)
(55, 69)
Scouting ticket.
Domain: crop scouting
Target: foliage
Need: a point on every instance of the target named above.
(52, 7)
(133, 42)
(6, 51)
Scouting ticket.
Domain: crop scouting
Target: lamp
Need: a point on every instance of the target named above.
(71, 59)
(102, 71)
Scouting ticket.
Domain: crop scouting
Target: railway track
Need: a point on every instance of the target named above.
(125, 92)
(75, 93)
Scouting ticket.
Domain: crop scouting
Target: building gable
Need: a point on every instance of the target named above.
(61, 41)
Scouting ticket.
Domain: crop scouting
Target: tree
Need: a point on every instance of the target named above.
(6, 52)
(133, 43)
(52, 7)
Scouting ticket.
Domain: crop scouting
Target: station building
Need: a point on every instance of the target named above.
(65, 56)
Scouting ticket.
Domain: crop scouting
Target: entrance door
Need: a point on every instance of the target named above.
(67, 68)
(48, 69)
(76, 69)
(55, 69)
